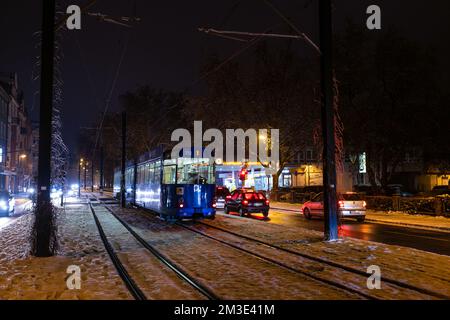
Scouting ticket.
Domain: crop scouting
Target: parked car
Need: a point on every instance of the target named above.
(350, 205)
(7, 203)
(247, 201)
(221, 194)
(440, 190)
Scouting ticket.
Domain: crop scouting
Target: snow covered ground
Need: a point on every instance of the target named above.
(228, 272)
(156, 280)
(26, 277)
(439, 223)
(414, 267)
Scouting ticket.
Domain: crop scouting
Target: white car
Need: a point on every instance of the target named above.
(350, 205)
(7, 203)
(220, 196)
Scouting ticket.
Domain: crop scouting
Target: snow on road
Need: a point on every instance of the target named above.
(26, 277)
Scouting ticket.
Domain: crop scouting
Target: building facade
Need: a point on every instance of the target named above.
(17, 157)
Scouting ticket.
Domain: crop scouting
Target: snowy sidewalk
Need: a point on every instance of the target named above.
(26, 277)
(437, 223)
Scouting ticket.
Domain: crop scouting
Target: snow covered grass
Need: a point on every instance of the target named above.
(26, 277)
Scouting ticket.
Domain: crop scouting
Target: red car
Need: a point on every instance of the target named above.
(245, 201)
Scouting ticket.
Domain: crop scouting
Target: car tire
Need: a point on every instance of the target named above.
(265, 213)
(241, 212)
(307, 213)
(227, 211)
(361, 219)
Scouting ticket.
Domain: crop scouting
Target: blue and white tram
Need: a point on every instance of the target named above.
(179, 188)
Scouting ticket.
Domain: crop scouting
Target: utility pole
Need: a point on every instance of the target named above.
(85, 175)
(92, 175)
(44, 212)
(101, 170)
(327, 110)
(124, 159)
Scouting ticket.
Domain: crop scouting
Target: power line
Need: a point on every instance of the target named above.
(293, 26)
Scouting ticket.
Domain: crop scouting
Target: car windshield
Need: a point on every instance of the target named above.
(350, 197)
(255, 196)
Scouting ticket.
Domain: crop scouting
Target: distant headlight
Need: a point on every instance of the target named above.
(3, 205)
(31, 190)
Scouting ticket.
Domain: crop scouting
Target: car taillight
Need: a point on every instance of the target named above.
(214, 204)
(341, 204)
(245, 202)
(227, 197)
(267, 202)
(181, 203)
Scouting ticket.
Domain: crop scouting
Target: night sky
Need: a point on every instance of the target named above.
(165, 49)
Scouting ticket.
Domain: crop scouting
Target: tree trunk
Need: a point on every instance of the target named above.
(275, 187)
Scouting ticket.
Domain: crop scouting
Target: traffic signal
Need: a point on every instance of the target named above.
(243, 174)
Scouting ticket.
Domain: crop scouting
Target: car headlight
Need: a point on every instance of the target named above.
(3, 204)
(31, 190)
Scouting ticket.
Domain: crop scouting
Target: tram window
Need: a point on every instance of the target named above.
(151, 172)
(157, 175)
(169, 174)
(139, 175)
(193, 170)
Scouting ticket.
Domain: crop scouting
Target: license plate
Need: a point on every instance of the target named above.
(258, 204)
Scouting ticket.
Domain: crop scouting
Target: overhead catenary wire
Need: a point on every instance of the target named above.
(293, 26)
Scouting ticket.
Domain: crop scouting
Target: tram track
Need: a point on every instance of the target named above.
(325, 261)
(395, 283)
(327, 282)
(130, 283)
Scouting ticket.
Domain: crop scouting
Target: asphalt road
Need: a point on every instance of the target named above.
(426, 240)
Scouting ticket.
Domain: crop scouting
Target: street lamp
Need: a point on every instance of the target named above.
(85, 174)
(80, 164)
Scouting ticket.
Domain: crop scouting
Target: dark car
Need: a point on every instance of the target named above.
(7, 203)
(397, 190)
(246, 201)
(221, 194)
